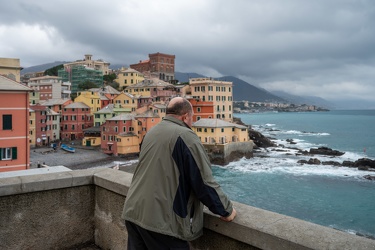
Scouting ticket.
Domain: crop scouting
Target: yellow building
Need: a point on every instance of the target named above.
(216, 131)
(89, 63)
(32, 132)
(91, 99)
(126, 100)
(10, 67)
(127, 143)
(218, 92)
(127, 77)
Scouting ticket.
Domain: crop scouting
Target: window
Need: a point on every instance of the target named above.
(7, 122)
(8, 153)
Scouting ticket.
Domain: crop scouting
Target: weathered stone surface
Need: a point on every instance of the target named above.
(325, 151)
(365, 162)
(260, 140)
(334, 163)
(369, 177)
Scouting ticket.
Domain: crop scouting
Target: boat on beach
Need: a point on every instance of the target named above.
(67, 148)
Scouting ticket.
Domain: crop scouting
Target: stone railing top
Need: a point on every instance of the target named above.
(253, 226)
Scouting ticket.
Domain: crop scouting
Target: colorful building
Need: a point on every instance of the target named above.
(56, 105)
(50, 87)
(47, 125)
(10, 68)
(14, 125)
(202, 110)
(32, 128)
(159, 65)
(127, 101)
(127, 77)
(97, 98)
(218, 92)
(159, 90)
(109, 111)
(100, 65)
(216, 131)
(125, 126)
(75, 118)
(146, 120)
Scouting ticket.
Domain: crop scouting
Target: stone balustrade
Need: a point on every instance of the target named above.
(73, 209)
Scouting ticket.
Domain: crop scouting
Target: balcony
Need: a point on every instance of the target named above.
(76, 209)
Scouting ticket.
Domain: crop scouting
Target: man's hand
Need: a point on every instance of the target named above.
(230, 217)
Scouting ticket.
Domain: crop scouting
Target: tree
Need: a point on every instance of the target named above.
(86, 85)
(53, 71)
(109, 78)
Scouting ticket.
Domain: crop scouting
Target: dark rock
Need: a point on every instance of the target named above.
(364, 168)
(349, 164)
(302, 162)
(325, 151)
(291, 141)
(364, 162)
(260, 140)
(369, 177)
(313, 161)
(334, 163)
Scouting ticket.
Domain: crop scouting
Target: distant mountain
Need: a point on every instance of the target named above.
(310, 100)
(244, 91)
(41, 67)
(184, 77)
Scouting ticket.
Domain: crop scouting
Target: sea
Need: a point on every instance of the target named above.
(336, 197)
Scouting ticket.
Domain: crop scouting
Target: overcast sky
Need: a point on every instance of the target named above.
(324, 48)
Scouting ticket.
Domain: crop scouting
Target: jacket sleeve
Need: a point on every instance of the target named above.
(196, 175)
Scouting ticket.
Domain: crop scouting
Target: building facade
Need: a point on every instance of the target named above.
(127, 77)
(202, 110)
(50, 87)
(77, 74)
(89, 63)
(159, 64)
(75, 118)
(218, 92)
(14, 125)
(10, 68)
(217, 131)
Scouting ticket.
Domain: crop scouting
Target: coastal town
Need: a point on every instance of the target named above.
(80, 105)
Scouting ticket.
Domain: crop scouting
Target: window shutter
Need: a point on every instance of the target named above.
(1, 154)
(14, 153)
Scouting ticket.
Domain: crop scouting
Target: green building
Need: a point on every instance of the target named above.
(78, 74)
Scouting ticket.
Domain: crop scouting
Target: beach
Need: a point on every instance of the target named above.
(83, 158)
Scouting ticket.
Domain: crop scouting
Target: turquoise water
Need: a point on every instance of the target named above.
(336, 197)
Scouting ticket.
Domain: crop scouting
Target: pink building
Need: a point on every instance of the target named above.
(75, 118)
(14, 125)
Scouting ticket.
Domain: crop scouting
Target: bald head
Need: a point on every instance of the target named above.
(179, 106)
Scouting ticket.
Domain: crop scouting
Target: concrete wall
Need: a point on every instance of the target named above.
(222, 154)
(69, 209)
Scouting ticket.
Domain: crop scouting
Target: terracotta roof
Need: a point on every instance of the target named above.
(8, 84)
(216, 123)
(76, 105)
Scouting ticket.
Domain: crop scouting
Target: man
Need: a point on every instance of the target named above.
(163, 208)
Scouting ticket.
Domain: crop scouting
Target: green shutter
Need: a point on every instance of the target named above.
(14, 153)
(1, 154)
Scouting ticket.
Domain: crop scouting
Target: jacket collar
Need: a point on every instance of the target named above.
(175, 120)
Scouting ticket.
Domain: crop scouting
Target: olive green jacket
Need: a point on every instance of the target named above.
(172, 180)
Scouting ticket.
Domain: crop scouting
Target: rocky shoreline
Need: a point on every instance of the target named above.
(364, 164)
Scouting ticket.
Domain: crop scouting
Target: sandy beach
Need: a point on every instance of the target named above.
(83, 158)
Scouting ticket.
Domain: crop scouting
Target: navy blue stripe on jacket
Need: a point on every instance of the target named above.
(190, 180)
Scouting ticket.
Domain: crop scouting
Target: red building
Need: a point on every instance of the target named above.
(124, 123)
(14, 125)
(158, 64)
(75, 118)
(202, 109)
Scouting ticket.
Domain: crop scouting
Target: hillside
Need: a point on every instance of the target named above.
(41, 67)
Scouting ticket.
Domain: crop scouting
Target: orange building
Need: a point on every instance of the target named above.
(202, 109)
(14, 125)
